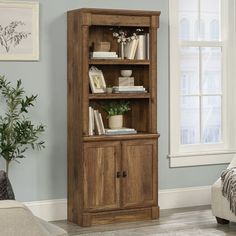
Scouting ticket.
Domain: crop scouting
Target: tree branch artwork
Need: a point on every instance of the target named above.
(9, 36)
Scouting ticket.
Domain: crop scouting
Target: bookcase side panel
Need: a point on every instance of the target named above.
(75, 129)
(153, 80)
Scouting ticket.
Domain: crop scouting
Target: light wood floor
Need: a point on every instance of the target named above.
(174, 220)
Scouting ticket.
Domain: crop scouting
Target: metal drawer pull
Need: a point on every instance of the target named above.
(118, 174)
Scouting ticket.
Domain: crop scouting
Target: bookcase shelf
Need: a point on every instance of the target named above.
(118, 62)
(119, 96)
(111, 178)
(142, 135)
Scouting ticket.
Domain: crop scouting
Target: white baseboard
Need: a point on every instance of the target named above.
(184, 197)
(51, 210)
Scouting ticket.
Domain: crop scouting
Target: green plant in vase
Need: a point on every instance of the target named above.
(17, 132)
(115, 111)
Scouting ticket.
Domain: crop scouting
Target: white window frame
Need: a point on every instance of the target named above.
(204, 154)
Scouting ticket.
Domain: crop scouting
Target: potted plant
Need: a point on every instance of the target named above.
(109, 88)
(115, 111)
(17, 133)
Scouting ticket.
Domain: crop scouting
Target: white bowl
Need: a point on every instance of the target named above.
(126, 73)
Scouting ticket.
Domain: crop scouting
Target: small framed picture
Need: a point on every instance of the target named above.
(96, 80)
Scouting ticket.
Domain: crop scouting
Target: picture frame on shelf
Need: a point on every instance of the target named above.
(19, 31)
(96, 80)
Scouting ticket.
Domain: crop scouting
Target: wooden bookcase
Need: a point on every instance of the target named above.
(111, 178)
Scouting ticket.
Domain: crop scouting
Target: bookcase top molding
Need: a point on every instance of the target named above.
(117, 17)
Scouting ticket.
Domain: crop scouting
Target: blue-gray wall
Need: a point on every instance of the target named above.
(42, 175)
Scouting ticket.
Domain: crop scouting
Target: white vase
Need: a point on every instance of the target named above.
(115, 122)
(122, 50)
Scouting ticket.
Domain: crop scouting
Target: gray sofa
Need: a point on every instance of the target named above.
(17, 220)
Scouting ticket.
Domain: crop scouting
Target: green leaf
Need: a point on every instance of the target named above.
(17, 133)
(116, 108)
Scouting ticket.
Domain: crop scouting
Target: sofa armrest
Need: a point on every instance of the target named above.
(232, 163)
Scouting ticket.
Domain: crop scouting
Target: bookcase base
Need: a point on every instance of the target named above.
(110, 217)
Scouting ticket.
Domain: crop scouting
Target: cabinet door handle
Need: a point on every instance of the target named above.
(124, 174)
(118, 174)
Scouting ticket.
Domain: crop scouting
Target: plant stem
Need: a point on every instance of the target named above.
(7, 166)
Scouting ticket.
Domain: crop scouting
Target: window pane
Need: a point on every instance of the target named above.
(210, 18)
(188, 15)
(211, 119)
(214, 30)
(184, 29)
(199, 30)
(211, 70)
(190, 125)
(189, 70)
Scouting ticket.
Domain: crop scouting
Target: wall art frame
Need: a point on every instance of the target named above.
(96, 80)
(19, 31)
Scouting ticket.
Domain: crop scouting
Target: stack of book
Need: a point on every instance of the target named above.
(138, 48)
(129, 89)
(130, 49)
(120, 131)
(104, 55)
(95, 122)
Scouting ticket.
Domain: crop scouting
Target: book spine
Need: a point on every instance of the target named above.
(90, 122)
(130, 49)
(147, 46)
(127, 87)
(119, 130)
(104, 53)
(97, 122)
(122, 132)
(134, 48)
(141, 48)
(93, 122)
(101, 123)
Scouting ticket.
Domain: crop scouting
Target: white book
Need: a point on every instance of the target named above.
(147, 46)
(101, 56)
(103, 53)
(122, 132)
(101, 123)
(97, 125)
(90, 121)
(130, 49)
(141, 48)
(134, 48)
(105, 57)
(130, 87)
(143, 89)
(118, 130)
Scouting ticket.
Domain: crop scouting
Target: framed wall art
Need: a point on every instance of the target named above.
(96, 80)
(19, 31)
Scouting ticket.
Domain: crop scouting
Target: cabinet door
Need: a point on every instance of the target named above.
(139, 160)
(101, 185)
